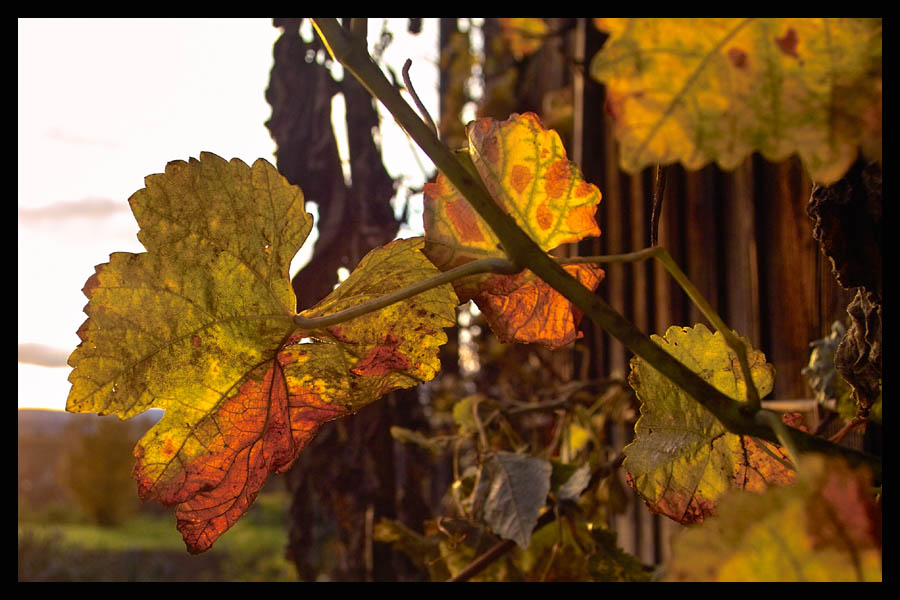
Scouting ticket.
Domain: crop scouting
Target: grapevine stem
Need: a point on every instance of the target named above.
(762, 446)
(660, 253)
(773, 421)
(658, 194)
(522, 251)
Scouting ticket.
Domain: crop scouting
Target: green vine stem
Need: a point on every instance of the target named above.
(660, 253)
(525, 253)
(759, 444)
(781, 430)
(484, 265)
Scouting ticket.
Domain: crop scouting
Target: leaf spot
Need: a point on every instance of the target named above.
(382, 359)
(544, 216)
(557, 178)
(737, 57)
(788, 43)
(463, 222)
(520, 178)
(168, 448)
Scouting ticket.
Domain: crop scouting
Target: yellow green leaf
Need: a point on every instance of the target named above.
(525, 35)
(201, 325)
(524, 167)
(826, 527)
(205, 254)
(701, 90)
(682, 459)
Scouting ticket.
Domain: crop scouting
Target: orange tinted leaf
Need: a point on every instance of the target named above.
(258, 431)
(525, 169)
(524, 307)
(201, 325)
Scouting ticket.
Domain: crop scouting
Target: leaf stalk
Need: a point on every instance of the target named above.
(484, 265)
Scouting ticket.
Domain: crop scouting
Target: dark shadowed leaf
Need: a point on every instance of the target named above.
(510, 494)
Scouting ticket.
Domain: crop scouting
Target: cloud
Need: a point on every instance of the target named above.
(87, 208)
(44, 356)
(71, 138)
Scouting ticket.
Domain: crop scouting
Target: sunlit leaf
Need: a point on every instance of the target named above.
(201, 326)
(826, 527)
(682, 458)
(525, 169)
(696, 91)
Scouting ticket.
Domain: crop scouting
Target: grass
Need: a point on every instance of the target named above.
(147, 547)
(143, 532)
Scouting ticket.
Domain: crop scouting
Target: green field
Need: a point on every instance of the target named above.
(147, 547)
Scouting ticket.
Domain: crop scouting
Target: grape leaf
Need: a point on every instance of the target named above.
(682, 458)
(575, 484)
(524, 167)
(201, 326)
(702, 90)
(826, 527)
(511, 491)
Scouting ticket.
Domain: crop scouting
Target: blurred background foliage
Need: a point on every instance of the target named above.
(79, 517)
(390, 493)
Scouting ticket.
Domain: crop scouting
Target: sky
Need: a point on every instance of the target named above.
(104, 103)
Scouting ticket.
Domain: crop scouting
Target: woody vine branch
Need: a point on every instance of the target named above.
(523, 252)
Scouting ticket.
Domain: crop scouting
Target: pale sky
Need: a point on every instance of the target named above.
(104, 103)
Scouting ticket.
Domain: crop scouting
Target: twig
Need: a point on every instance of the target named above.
(829, 417)
(791, 405)
(762, 446)
(554, 552)
(482, 562)
(497, 550)
(568, 392)
(606, 470)
(660, 253)
(482, 436)
(849, 426)
(775, 423)
(658, 194)
(456, 478)
(415, 97)
(502, 547)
